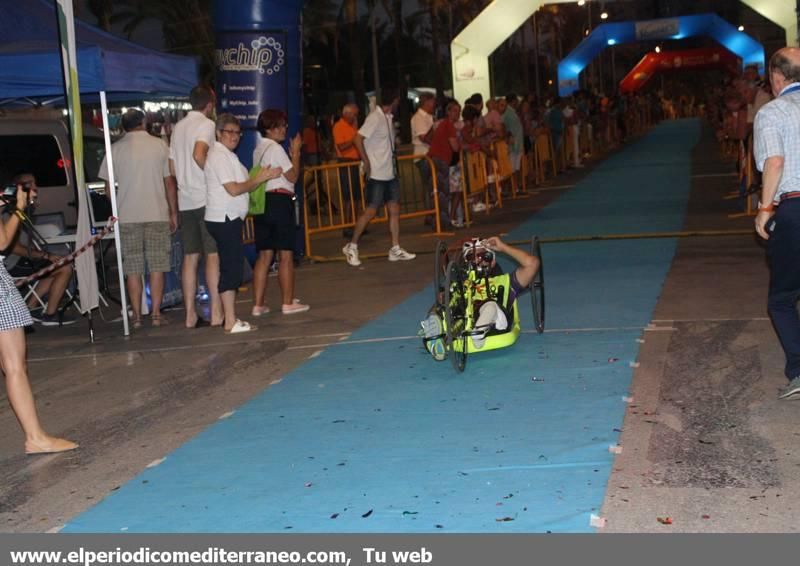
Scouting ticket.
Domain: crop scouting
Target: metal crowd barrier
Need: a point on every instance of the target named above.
(335, 196)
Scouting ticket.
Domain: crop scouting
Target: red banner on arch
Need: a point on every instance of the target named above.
(692, 59)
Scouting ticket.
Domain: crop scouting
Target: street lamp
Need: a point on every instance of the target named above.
(604, 16)
(658, 49)
(741, 28)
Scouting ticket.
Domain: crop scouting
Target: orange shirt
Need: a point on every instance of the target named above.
(343, 132)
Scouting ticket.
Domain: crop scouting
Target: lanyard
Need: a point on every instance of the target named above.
(793, 88)
(390, 133)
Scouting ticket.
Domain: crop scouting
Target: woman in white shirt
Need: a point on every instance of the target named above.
(227, 188)
(275, 228)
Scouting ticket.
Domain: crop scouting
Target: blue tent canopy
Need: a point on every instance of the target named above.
(605, 35)
(30, 62)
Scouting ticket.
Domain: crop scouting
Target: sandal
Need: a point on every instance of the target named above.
(158, 320)
(137, 323)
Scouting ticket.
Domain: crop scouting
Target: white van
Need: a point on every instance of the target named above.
(40, 144)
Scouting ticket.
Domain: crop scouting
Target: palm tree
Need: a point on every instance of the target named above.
(103, 11)
(186, 25)
(350, 12)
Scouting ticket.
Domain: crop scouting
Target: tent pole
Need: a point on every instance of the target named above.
(112, 187)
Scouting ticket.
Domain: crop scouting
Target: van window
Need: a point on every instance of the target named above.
(94, 150)
(37, 154)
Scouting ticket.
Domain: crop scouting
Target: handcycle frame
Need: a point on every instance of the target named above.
(455, 282)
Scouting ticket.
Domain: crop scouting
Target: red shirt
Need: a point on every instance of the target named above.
(440, 145)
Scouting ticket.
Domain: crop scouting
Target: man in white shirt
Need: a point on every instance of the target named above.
(148, 210)
(421, 136)
(191, 140)
(376, 146)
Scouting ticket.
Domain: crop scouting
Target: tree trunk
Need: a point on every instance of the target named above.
(356, 60)
(526, 63)
(438, 79)
(404, 115)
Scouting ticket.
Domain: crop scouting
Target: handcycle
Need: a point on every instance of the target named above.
(460, 284)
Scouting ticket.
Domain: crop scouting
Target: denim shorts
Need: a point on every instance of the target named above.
(381, 192)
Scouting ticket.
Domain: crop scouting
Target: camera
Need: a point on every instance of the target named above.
(9, 196)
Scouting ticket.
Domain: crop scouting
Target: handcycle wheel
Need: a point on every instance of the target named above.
(455, 309)
(440, 263)
(537, 287)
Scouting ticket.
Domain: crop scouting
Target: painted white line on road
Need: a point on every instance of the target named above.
(189, 347)
(588, 329)
(352, 342)
(416, 337)
(554, 188)
(671, 320)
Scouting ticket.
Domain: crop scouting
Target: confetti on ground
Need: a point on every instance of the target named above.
(537, 378)
(612, 360)
(367, 514)
(627, 399)
(504, 519)
(664, 520)
(410, 512)
(334, 515)
(615, 449)
(634, 364)
(308, 484)
(597, 522)
(706, 516)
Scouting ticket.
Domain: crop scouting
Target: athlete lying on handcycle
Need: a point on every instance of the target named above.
(479, 297)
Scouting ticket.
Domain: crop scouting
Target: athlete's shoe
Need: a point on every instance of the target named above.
(791, 389)
(350, 251)
(434, 337)
(399, 254)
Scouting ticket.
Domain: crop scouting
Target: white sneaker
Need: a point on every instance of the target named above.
(350, 251)
(479, 207)
(399, 254)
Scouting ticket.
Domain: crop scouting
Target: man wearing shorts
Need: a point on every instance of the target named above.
(375, 143)
(148, 210)
(191, 139)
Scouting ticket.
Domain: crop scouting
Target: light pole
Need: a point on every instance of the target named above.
(536, 54)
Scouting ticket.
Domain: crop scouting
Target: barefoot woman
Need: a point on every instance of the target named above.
(14, 316)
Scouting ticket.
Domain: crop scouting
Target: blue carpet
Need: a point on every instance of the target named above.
(376, 437)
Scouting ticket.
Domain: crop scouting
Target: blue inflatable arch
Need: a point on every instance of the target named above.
(710, 25)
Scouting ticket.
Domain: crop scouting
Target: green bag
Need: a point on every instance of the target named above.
(258, 197)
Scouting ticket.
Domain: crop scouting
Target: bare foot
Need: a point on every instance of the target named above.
(49, 445)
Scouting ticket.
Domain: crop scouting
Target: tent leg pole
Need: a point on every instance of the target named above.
(113, 189)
